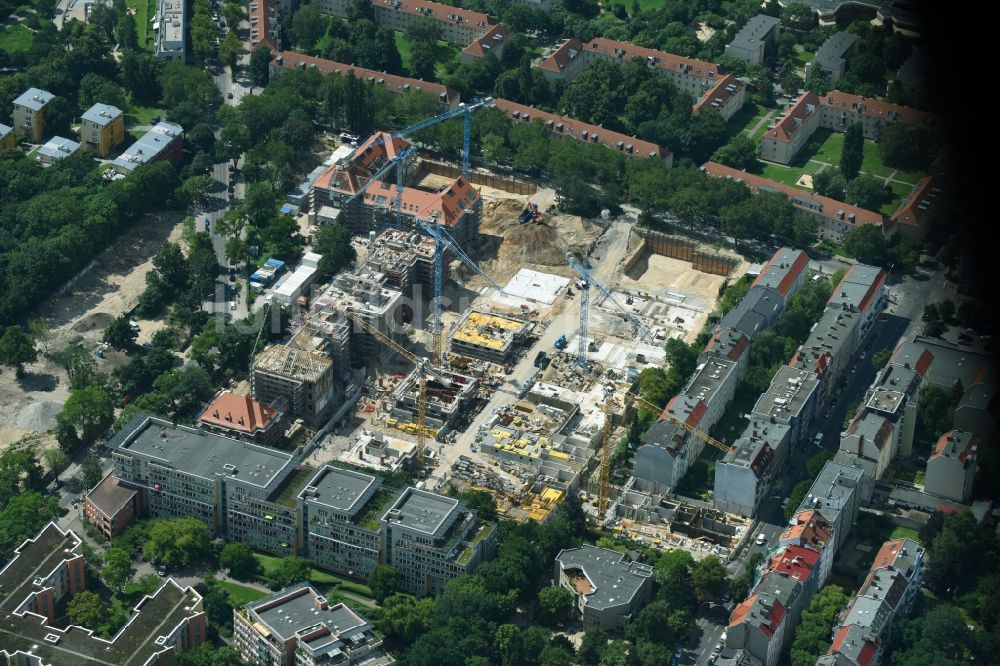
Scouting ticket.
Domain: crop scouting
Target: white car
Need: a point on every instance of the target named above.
(761, 540)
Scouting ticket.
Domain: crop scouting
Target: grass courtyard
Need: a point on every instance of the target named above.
(824, 148)
(443, 53)
(240, 595)
(144, 12)
(268, 563)
(15, 38)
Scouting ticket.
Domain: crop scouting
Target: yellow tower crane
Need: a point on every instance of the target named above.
(424, 369)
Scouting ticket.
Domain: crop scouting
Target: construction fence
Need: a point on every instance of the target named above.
(483, 178)
(676, 247)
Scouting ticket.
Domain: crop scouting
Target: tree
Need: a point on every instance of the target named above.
(177, 542)
(555, 606)
(709, 578)
(56, 460)
(795, 497)
(120, 334)
(117, 571)
(812, 635)
(881, 358)
(230, 51)
(92, 472)
(259, 66)
(739, 153)
(22, 516)
(307, 26)
(423, 61)
(383, 581)
(828, 182)
(617, 653)
(946, 309)
(673, 571)
(592, 647)
(290, 570)
(868, 192)
(906, 147)
(935, 411)
(86, 609)
(866, 244)
(41, 331)
(17, 349)
(403, 619)
(89, 412)
(194, 190)
(852, 153)
(333, 243)
(239, 560)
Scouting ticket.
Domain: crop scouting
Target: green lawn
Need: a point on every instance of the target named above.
(745, 118)
(144, 11)
(143, 115)
(644, 5)
(443, 51)
(269, 562)
(240, 595)
(15, 38)
(802, 57)
(899, 192)
(404, 48)
(905, 533)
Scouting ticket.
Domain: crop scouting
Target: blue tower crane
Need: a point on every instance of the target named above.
(588, 279)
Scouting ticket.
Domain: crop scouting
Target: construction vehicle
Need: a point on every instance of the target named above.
(530, 214)
(561, 343)
(425, 369)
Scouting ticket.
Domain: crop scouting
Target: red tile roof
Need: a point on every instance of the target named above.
(810, 529)
(581, 131)
(395, 84)
(886, 556)
(804, 107)
(956, 444)
(873, 108)
(795, 562)
(718, 92)
(662, 60)
(238, 412)
(363, 162)
(562, 56)
(909, 212)
(494, 41)
(806, 201)
(436, 10)
(262, 14)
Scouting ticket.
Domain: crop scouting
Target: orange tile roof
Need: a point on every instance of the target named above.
(238, 412)
(742, 610)
(662, 60)
(718, 92)
(395, 84)
(262, 13)
(810, 529)
(494, 41)
(950, 444)
(562, 56)
(581, 131)
(873, 108)
(804, 107)
(436, 10)
(909, 213)
(825, 206)
(446, 206)
(865, 656)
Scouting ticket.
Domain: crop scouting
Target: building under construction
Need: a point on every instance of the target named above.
(403, 258)
(489, 337)
(364, 293)
(444, 403)
(457, 206)
(297, 372)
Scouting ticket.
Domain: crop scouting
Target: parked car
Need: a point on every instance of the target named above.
(761, 540)
(162, 570)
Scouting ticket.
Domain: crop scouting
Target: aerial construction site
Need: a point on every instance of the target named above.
(487, 342)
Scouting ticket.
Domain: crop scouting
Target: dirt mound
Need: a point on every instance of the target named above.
(541, 244)
(38, 416)
(91, 321)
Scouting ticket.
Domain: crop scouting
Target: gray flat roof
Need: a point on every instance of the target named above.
(781, 265)
(779, 586)
(614, 581)
(340, 489)
(34, 98)
(59, 147)
(5, 130)
(952, 363)
(831, 332)
(205, 454)
(149, 145)
(835, 484)
(423, 511)
(101, 114)
(786, 396)
(755, 311)
(293, 609)
(857, 287)
(754, 31)
(747, 450)
(109, 497)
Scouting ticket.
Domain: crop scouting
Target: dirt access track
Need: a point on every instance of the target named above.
(111, 287)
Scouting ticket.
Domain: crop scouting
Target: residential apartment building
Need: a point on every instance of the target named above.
(571, 128)
(29, 113)
(171, 43)
(798, 563)
(340, 511)
(110, 507)
(951, 467)
(102, 129)
(731, 344)
(785, 272)
(836, 111)
(50, 567)
(870, 436)
(810, 529)
(750, 42)
(834, 219)
(493, 42)
(164, 141)
(7, 140)
(912, 218)
(608, 590)
(57, 149)
(791, 399)
(181, 471)
(431, 539)
(743, 477)
(831, 57)
(758, 310)
(456, 206)
(895, 390)
(702, 80)
(397, 85)
(758, 627)
(458, 26)
(835, 495)
(263, 16)
(297, 625)
(241, 417)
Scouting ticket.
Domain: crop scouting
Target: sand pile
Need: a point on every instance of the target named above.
(38, 416)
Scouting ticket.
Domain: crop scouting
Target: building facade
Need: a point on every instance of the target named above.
(102, 129)
(164, 141)
(7, 140)
(752, 39)
(29, 113)
(170, 37)
(111, 507)
(458, 26)
(951, 467)
(608, 590)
